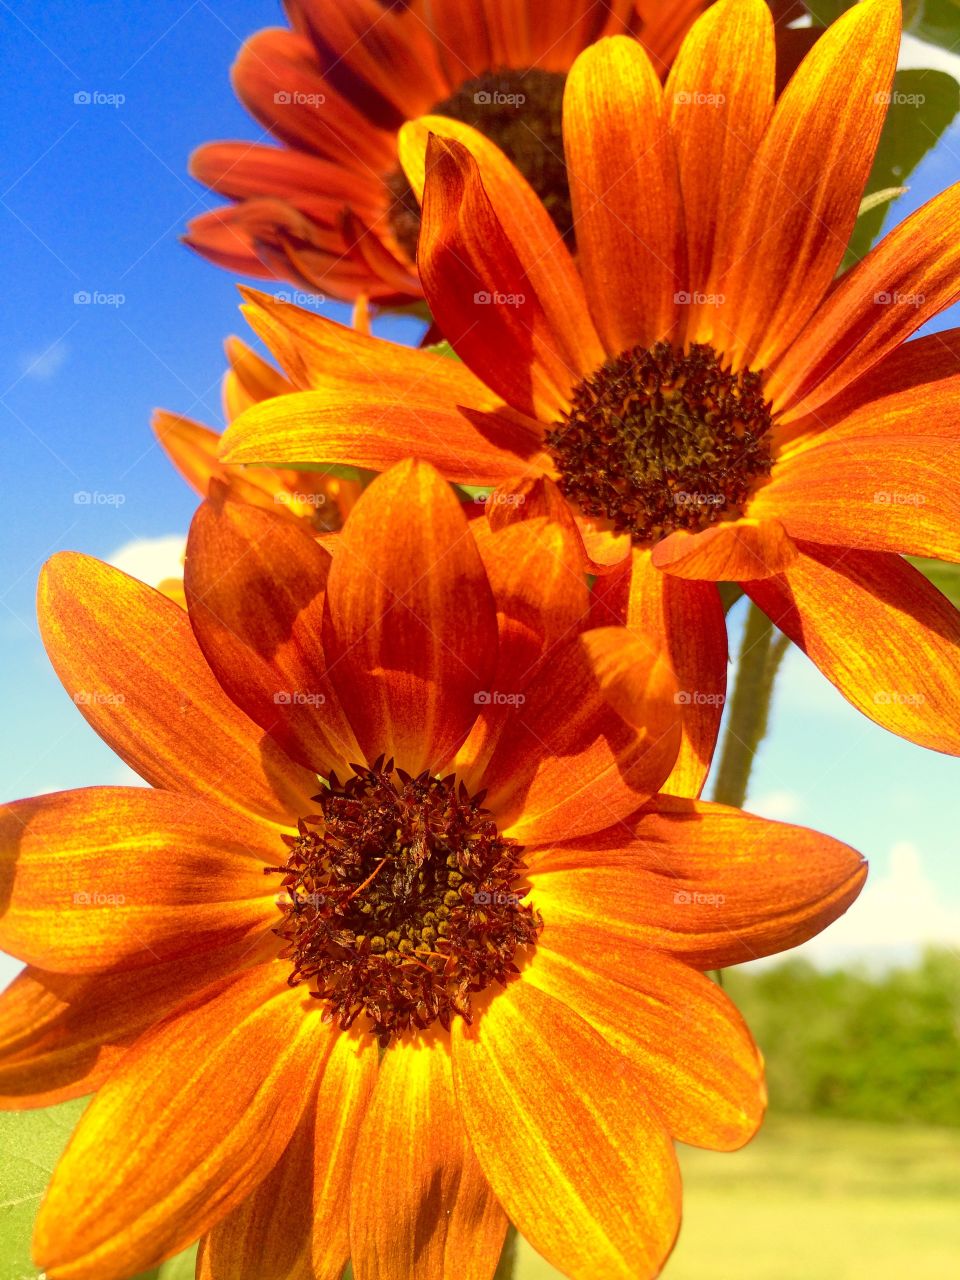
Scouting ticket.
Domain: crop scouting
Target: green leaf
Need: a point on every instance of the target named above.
(443, 349)
(934, 21)
(730, 593)
(945, 577)
(30, 1145)
(922, 106)
(182, 1267)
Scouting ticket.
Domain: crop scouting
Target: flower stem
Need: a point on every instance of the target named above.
(508, 1258)
(761, 652)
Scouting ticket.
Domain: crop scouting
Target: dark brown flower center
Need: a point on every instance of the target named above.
(521, 112)
(403, 899)
(662, 439)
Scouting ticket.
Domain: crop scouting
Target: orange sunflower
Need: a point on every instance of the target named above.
(456, 980)
(332, 208)
(713, 402)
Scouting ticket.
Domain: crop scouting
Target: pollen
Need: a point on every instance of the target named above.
(521, 111)
(661, 439)
(401, 901)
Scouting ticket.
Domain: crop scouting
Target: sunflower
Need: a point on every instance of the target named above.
(457, 979)
(322, 501)
(714, 404)
(332, 208)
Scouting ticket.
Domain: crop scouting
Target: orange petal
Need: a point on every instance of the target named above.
(193, 1120)
(128, 657)
(567, 761)
(383, 58)
(527, 226)
(754, 547)
(295, 1224)
(483, 284)
(684, 622)
(410, 630)
(223, 236)
(880, 632)
(535, 568)
(910, 392)
(626, 194)
(127, 875)
(278, 80)
(710, 885)
(874, 492)
(249, 379)
(663, 26)
(61, 1036)
(688, 1045)
(575, 1151)
(420, 1207)
(802, 193)
(376, 403)
(255, 588)
(719, 97)
(245, 170)
(375, 429)
(911, 275)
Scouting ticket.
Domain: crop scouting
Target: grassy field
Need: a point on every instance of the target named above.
(817, 1200)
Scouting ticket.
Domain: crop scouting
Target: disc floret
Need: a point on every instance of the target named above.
(402, 900)
(661, 439)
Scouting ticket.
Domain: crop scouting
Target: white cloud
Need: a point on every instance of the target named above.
(781, 806)
(42, 365)
(152, 559)
(900, 911)
(916, 53)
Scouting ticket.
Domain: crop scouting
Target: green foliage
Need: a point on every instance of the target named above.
(945, 577)
(922, 106)
(442, 349)
(30, 1145)
(858, 1045)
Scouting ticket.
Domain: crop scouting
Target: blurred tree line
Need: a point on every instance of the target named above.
(855, 1044)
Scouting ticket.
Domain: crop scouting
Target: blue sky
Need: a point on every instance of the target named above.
(93, 199)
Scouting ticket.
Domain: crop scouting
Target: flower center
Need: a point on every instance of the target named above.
(521, 112)
(661, 439)
(402, 900)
